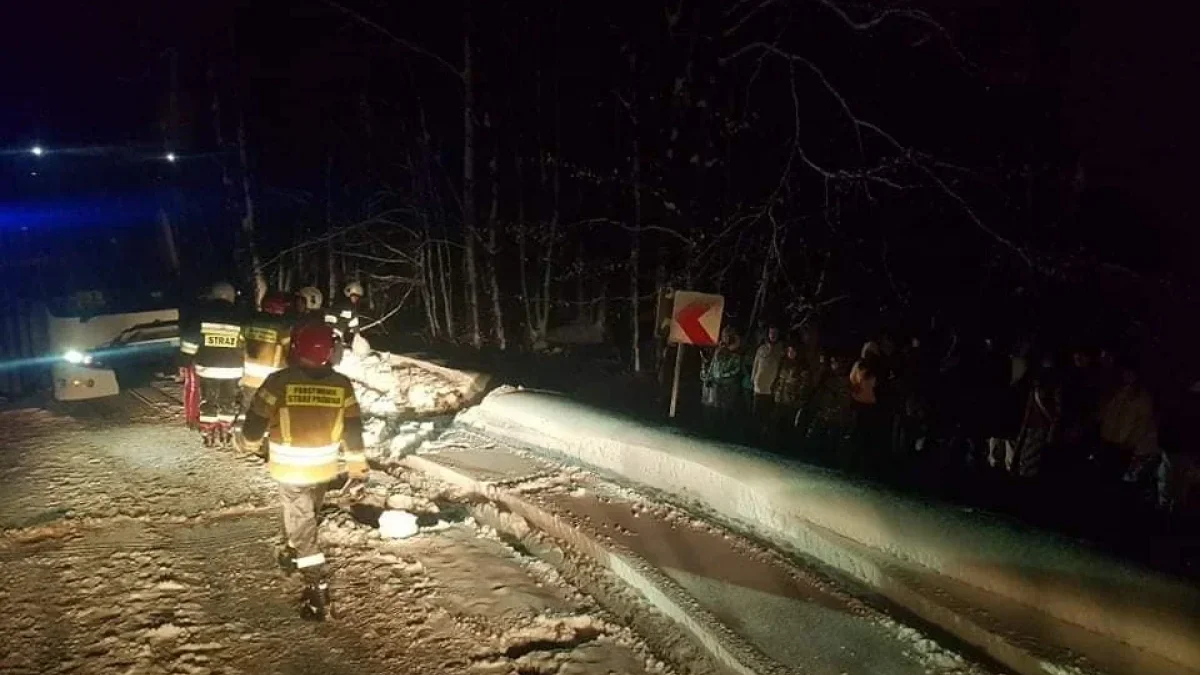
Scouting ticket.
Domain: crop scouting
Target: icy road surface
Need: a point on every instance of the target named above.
(127, 547)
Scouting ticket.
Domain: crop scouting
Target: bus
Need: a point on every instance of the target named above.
(89, 289)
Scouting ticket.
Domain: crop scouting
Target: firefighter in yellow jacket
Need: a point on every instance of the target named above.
(267, 338)
(311, 418)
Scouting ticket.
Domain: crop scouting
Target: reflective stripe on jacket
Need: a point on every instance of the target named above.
(218, 372)
(299, 465)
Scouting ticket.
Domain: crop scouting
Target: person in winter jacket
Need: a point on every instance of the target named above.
(790, 388)
(215, 333)
(871, 433)
(863, 379)
(832, 415)
(266, 344)
(311, 417)
(188, 346)
(721, 380)
(1041, 423)
(308, 303)
(343, 314)
(762, 377)
(1127, 425)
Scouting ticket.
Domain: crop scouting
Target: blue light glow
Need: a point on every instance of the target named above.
(83, 212)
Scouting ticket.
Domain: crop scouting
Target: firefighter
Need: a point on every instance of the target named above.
(187, 348)
(267, 338)
(343, 315)
(216, 336)
(310, 416)
(308, 304)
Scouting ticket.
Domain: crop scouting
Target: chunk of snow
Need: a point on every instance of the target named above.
(360, 347)
(421, 397)
(373, 430)
(397, 524)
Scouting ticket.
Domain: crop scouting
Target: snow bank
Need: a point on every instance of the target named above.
(872, 534)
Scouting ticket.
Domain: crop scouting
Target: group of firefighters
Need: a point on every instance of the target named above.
(272, 378)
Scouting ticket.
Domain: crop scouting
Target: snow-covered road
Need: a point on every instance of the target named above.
(127, 547)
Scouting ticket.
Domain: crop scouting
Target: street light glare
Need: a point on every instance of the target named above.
(37, 151)
(170, 157)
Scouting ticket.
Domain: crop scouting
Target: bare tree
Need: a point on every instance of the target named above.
(470, 231)
(493, 254)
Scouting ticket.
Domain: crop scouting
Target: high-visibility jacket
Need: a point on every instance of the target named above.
(267, 339)
(343, 316)
(214, 341)
(312, 419)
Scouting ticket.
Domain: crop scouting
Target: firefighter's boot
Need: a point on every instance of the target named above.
(209, 433)
(286, 558)
(225, 435)
(315, 604)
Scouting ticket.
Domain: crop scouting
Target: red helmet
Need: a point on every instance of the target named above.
(312, 344)
(276, 303)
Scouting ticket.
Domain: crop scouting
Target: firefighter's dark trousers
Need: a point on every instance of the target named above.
(301, 505)
(218, 400)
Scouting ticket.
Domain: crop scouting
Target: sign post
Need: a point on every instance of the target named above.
(675, 384)
(695, 320)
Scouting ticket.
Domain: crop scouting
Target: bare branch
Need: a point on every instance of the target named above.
(403, 259)
(411, 46)
(393, 311)
(747, 16)
(872, 174)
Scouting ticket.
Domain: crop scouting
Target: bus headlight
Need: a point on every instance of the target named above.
(78, 358)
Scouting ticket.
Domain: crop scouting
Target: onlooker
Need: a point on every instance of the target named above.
(1081, 400)
(1012, 393)
(721, 379)
(762, 376)
(1126, 425)
(790, 387)
(870, 423)
(832, 415)
(1040, 424)
(1179, 484)
(863, 379)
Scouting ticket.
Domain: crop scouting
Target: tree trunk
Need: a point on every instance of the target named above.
(494, 275)
(428, 296)
(445, 270)
(468, 199)
(760, 295)
(635, 254)
(552, 235)
(522, 250)
(223, 153)
(248, 229)
(330, 253)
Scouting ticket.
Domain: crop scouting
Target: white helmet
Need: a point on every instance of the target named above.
(353, 288)
(223, 291)
(312, 297)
